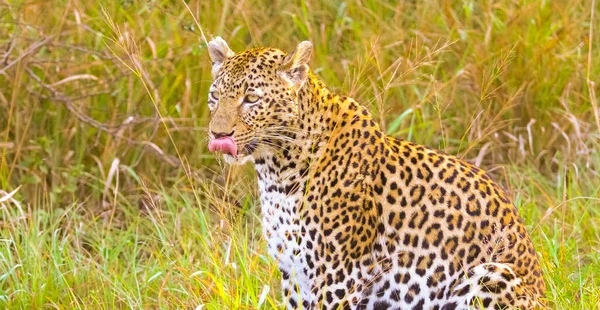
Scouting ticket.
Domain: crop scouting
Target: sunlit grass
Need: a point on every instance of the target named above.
(103, 117)
(170, 255)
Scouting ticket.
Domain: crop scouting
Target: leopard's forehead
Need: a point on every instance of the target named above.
(252, 65)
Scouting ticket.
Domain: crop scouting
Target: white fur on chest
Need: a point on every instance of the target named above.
(282, 230)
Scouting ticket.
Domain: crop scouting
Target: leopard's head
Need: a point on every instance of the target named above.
(254, 97)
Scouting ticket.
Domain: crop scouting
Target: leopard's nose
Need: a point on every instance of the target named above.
(218, 135)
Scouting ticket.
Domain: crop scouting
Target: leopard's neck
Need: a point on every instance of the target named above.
(285, 169)
(321, 114)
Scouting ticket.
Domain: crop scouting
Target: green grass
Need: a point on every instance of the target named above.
(102, 131)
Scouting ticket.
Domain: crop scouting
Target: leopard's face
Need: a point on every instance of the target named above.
(253, 99)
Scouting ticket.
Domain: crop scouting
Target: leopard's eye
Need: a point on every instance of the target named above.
(251, 99)
(214, 95)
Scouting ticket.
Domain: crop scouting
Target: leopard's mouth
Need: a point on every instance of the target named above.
(244, 154)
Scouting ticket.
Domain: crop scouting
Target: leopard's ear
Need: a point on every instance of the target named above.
(218, 51)
(294, 67)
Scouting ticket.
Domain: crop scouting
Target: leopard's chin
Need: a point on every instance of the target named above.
(239, 159)
(243, 156)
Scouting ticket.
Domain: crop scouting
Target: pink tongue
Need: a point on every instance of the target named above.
(225, 145)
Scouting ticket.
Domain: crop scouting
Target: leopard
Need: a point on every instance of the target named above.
(355, 218)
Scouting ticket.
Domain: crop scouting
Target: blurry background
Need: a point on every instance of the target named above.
(109, 198)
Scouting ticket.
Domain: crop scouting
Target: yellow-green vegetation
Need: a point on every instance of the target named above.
(110, 200)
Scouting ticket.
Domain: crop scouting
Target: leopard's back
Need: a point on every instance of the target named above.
(425, 229)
